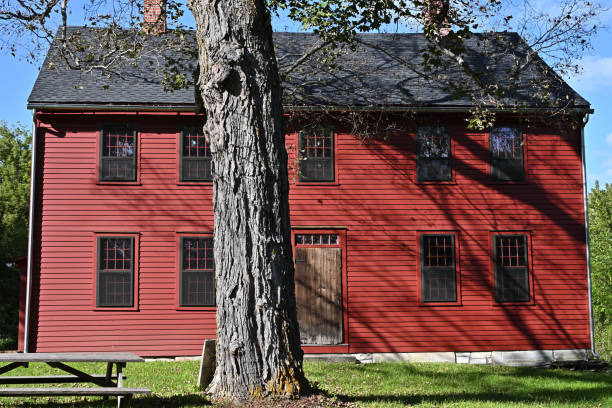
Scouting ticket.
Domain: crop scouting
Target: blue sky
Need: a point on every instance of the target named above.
(595, 84)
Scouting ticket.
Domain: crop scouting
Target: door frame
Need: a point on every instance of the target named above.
(342, 233)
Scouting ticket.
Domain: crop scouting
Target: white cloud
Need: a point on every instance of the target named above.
(609, 139)
(596, 74)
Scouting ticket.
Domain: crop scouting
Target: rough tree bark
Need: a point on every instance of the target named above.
(258, 340)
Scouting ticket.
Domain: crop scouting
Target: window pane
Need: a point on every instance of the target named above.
(506, 154)
(511, 250)
(197, 254)
(434, 170)
(316, 239)
(511, 269)
(196, 157)
(438, 285)
(433, 142)
(198, 289)
(438, 250)
(507, 169)
(195, 168)
(512, 285)
(118, 142)
(433, 154)
(115, 271)
(118, 168)
(438, 280)
(118, 161)
(317, 169)
(194, 143)
(316, 155)
(115, 289)
(115, 254)
(197, 272)
(506, 143)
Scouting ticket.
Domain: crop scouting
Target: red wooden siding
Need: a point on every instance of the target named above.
(375, 197)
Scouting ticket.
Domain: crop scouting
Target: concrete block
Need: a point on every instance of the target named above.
(439, 357)
(480, 354)
(462, 359)
(570, 355)
(365, 358)
(332, 358)
(528, 358)
(188, 358)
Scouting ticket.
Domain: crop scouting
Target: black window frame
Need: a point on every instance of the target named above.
(420, 161)
(302, 159)
(499, 174)
(449, 268)
(134, 159)
(182, 158)
(181, 299)
(100, 271)
(499, 270)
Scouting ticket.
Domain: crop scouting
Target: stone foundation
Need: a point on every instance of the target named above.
(527, 358)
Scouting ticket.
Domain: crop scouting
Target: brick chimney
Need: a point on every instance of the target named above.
(154, 16)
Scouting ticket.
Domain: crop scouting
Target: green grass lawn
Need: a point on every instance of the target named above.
(370, 385)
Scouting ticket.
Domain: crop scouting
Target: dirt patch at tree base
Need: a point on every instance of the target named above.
(308, 401)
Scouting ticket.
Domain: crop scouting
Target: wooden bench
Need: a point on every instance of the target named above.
(108, 384)
(65, 391)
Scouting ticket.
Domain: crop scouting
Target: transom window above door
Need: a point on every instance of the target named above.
(316, 239)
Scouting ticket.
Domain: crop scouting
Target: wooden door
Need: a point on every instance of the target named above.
(318, 290)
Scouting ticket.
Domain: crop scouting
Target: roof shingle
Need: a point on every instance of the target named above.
(376, 73)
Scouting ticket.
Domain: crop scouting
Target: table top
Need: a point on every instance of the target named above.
(86, 357)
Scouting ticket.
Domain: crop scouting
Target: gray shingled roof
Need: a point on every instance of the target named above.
(376, 73)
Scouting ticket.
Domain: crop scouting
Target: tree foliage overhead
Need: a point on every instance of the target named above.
(559, 35)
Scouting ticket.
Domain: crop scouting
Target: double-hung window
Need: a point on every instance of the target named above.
(118, 154)
(511, 268)
(196, 158)
(197, 272)
(506, 144)
(438, 269)
(433, 154)
(316, 154)
(115, 272)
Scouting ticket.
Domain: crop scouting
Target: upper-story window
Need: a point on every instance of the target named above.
(197, 272)
(115, 272)
(196, 158)
(438, 270)
(433, 154)
(118, 154)
(316, 154)
(511, 268)
(506, 145)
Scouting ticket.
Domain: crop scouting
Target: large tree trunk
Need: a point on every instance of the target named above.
(258, 340)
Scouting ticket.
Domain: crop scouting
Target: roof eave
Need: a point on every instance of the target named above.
(294, 108)
(458, 109)
(90, 107)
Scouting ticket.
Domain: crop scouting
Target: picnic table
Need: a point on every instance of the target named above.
(108, 384)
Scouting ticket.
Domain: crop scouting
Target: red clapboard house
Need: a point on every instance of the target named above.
(435, 243)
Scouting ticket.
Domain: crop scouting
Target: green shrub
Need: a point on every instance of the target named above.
(600, 229)
(603, 341)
